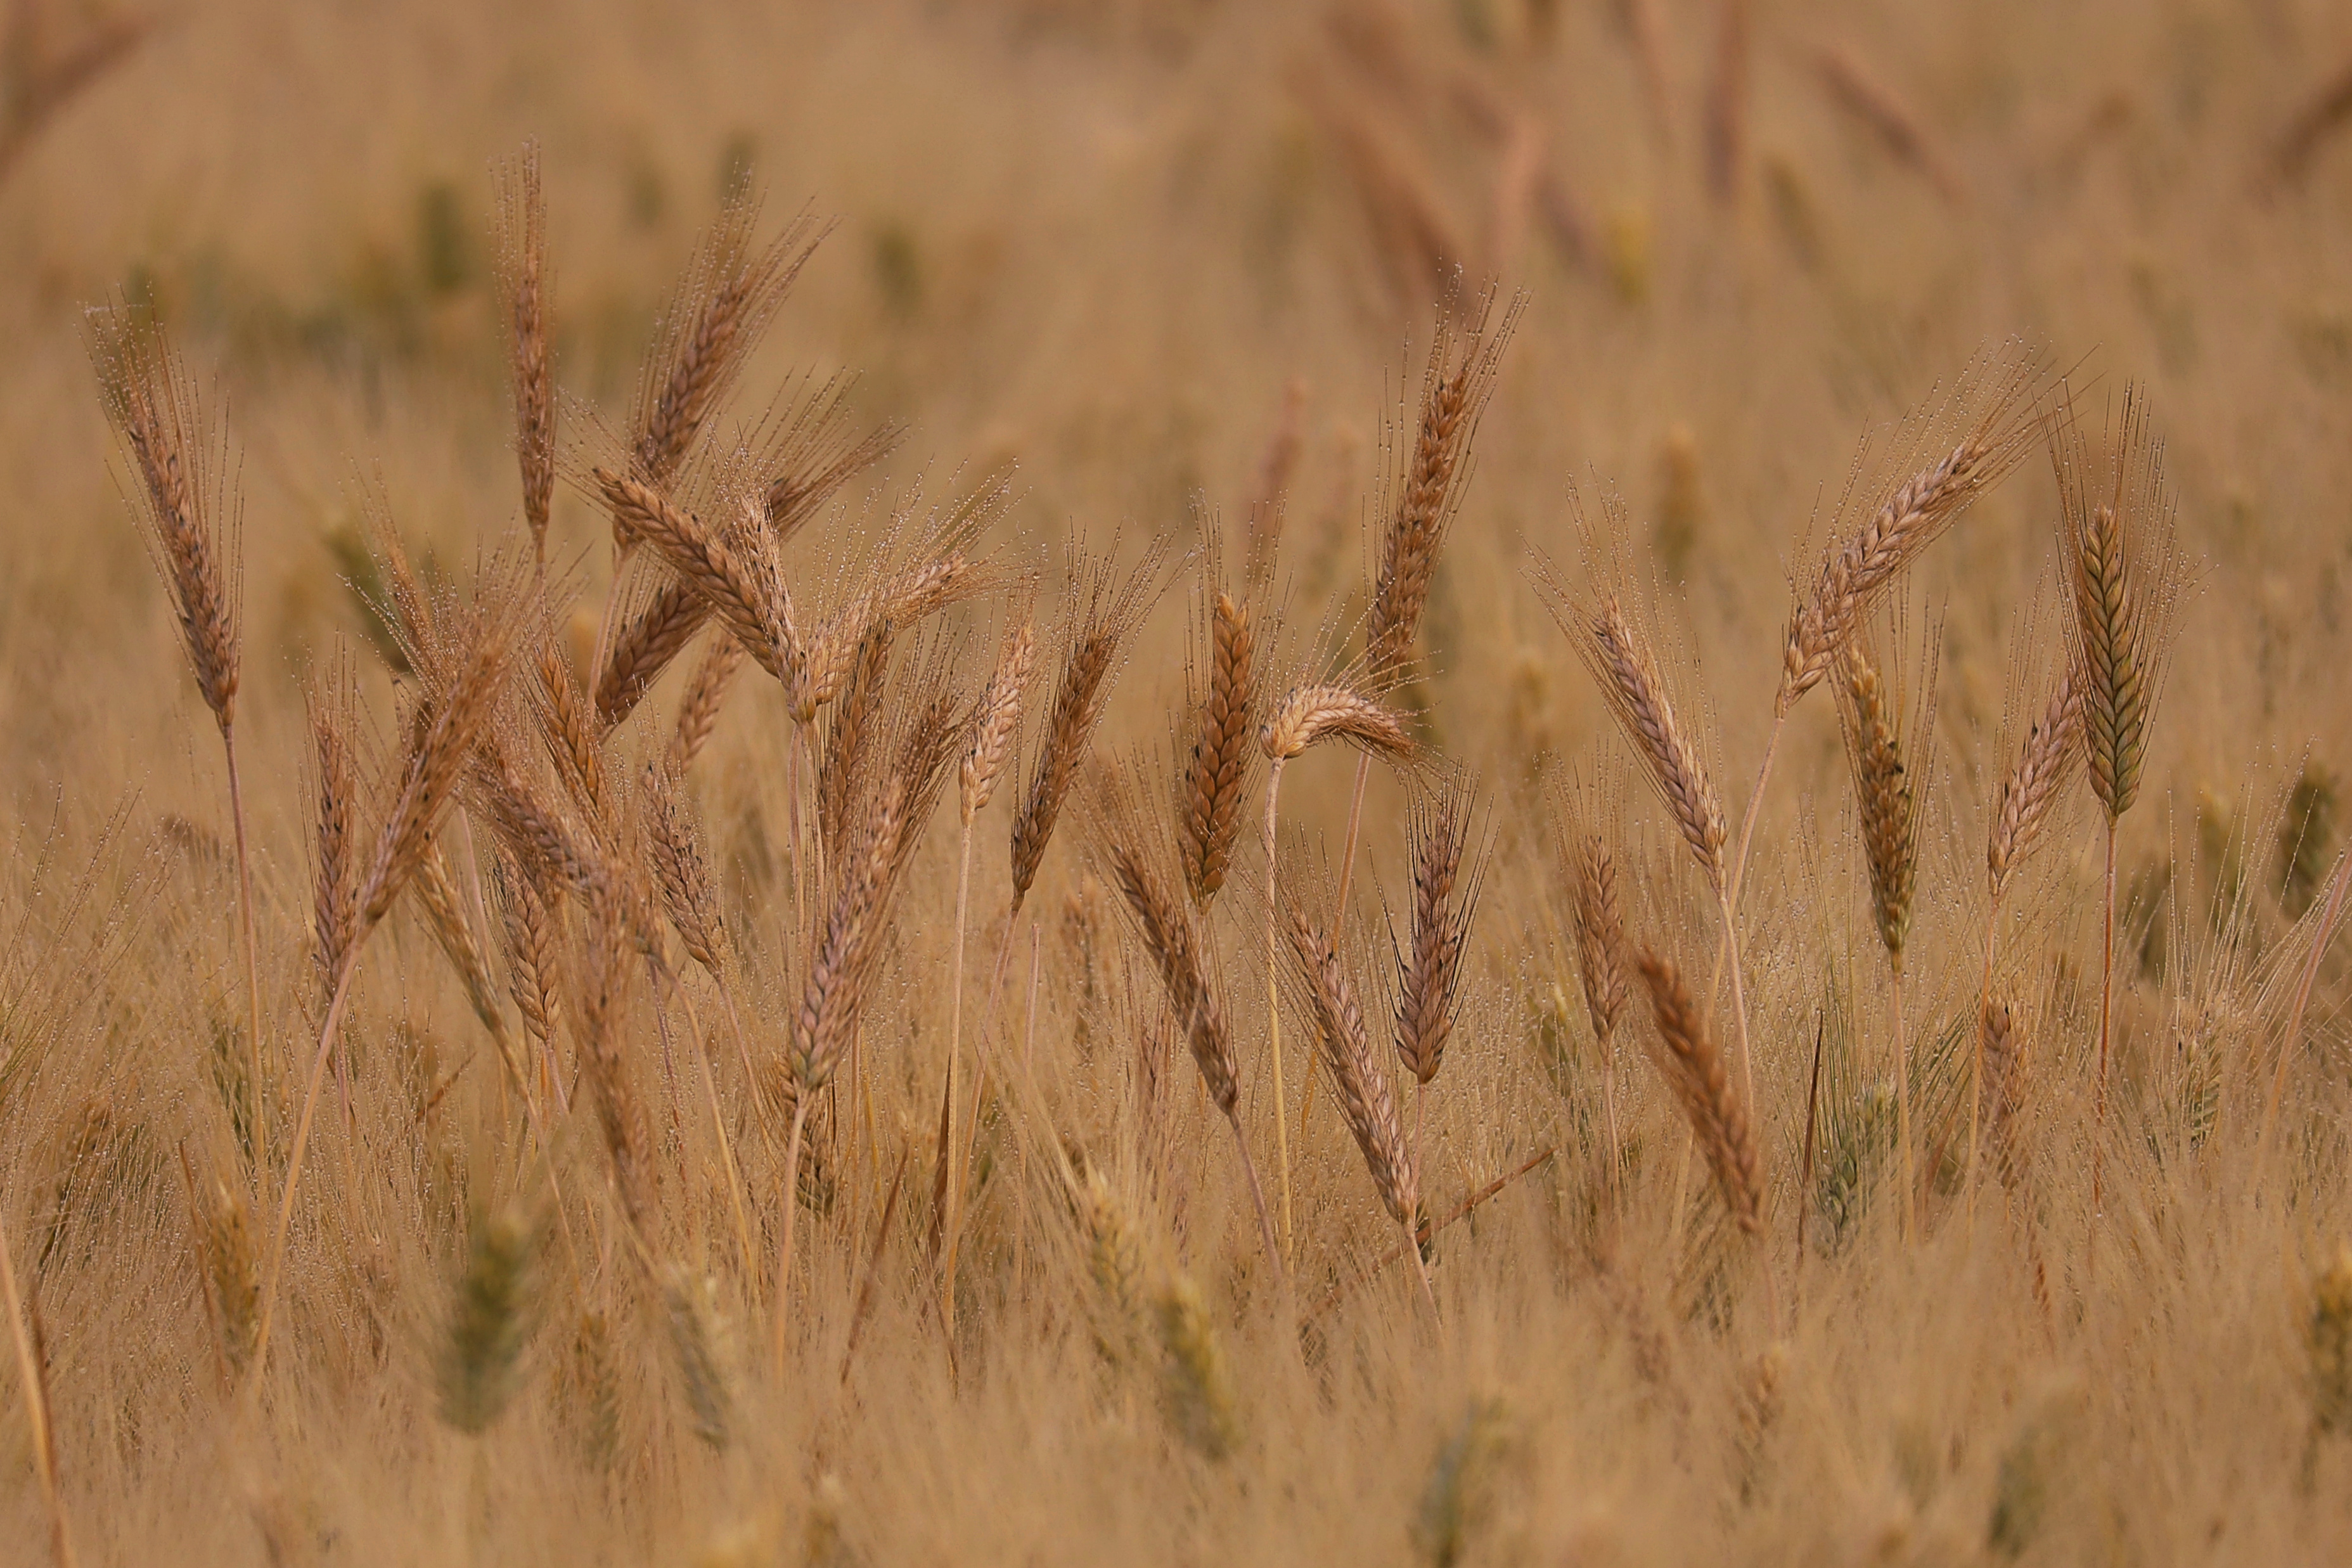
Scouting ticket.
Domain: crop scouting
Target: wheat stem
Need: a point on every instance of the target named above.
(792, 1218)
(294, 1162)
(1274, 1004)
(1903, 1102)
(252, 960)
(955, 1053)
(2107, 1028)
(37, 1409)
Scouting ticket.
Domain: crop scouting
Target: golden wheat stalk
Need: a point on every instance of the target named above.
(1174, 945)
(192, 518)
(995, 731)
(2124, 577)
(2048, 758)
(35, 1379)
(443, 730)
(1357, 1080)
(1891, 778)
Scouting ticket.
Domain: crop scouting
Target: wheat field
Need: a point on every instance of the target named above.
(986, 781)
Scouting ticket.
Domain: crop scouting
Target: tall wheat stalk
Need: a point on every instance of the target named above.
(190, 514)
(2036, 781)
(1891, 779)
(36, 1382)
(1306, 714)
(2124, 577)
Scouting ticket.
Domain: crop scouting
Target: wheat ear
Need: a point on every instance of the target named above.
(1174, 946)
(191, 517)
(441, 733)
(1890, 780)
(2124, 577)
(523, 278)
(1357, 1080)
(1216, 772)
(993, 736)
(2049, 758)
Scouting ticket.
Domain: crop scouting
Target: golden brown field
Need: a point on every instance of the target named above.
(1772, 578)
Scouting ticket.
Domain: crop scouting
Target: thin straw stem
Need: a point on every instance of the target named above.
(252, 960)
(294, 1162)
(37, 1409)
(1273, 1008)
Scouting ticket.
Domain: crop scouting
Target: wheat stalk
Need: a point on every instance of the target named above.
(192, 518)
(1890, 776)
(1366, 1103)
(2125, 579)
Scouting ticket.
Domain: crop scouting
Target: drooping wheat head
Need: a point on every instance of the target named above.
(1106, 610)
(698, 709)
(1320, 983)
(1342, 709)
(1687, 1057)
(1993, 400)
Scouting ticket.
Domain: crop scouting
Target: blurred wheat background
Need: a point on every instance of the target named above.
(726, 1150)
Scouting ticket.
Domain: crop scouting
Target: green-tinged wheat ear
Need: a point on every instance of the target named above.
(490, 1321)
(1115, 1263)
(2329, 1338)
(1455, 1497)
(1198, 1389)
(702, 1341)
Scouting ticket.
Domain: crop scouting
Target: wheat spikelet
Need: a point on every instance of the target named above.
(1627, 673)
(490, 1321)
(1876, 104)
(335, 911)
(1198, 1389)
(725, 301)
(620, 1114)
(680, 870)
(436, 895)
(1911, 517)
(1430, 491)
(523, 279)
(855, 718)
(999, 722)
(527, 929)
(1444, 901)
(849, 942)
(731, 586)
(702, 1340)
(1107, 613)
(1174, 947)
(2036, 780)
(1115, 1263)
(1599, 929)
(1309, 712)
(441, 733)
(2124, 577)
(1366, 1103)
(232, 1273)
(2002, 1098)
(191, 531)
(1687, 1057)
(569, 731)
(644, 646)
(1209, 815)
(1889, 779)
(698, 710)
